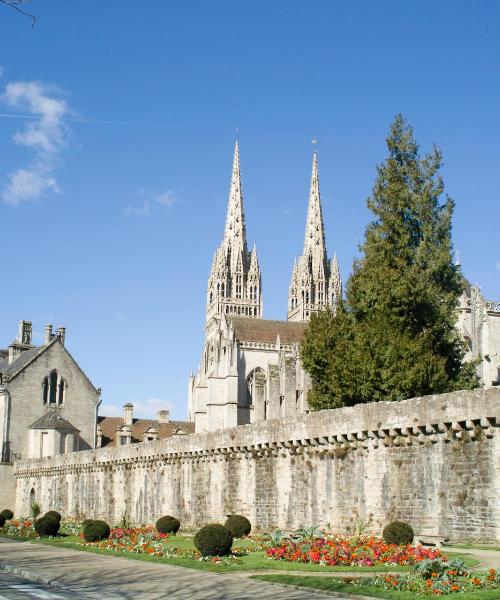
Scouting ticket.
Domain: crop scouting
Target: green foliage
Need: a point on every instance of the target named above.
(55, 514)
(35, 509)
(427, 567)
(213, 540)
(47, 526)
(308, 534)
(86, 522)
(398, 532)
(7, 514)
(95, 531)
(168, 524)
(238, 525)
(2, 520)
(395, 337)
(276, 537)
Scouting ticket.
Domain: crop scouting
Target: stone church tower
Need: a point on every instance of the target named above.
(234, 285)
(315, 282)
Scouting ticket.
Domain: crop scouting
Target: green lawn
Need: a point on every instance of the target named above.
(253, 561)
(475, 547)
(335, 585)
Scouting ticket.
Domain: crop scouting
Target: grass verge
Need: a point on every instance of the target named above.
(331, 584)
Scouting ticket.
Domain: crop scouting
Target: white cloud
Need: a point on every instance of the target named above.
(45, 135)
(143, 409)
(139, 211)
(165, 199)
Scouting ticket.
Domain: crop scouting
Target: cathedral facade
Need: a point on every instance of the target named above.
(250, 368)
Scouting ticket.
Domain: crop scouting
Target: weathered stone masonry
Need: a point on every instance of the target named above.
(434, 461)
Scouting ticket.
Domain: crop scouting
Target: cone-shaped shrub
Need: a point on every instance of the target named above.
(398, 532)
(238, 525)
(55, 514)
(214, 540)
(168, 524)
(95, 531)
(7, 514)
(47, 526)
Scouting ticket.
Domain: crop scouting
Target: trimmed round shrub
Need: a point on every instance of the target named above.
(7, 514)
(213, 540)
(168, 524)
(46, 526)
(238, 525)
(95, 531)
(2, 520)
(86, 522)
(398, 532)
(55, 514)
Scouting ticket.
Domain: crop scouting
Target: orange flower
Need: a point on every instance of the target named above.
(428, 583)
(476, 581)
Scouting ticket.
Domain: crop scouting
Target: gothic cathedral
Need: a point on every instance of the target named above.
(250, 368)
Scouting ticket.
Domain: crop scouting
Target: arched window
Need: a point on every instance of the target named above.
(53, 389)
(256, 394)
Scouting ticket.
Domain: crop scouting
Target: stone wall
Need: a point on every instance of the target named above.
(7, 487)
(434, 461)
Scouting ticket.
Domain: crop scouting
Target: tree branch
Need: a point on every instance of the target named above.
(15, 5)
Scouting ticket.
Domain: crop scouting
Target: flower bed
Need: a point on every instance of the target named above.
(353, 551)
(147, 540)
(20, 528)
(442, 580)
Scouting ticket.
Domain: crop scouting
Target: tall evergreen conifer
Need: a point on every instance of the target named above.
(395, 336)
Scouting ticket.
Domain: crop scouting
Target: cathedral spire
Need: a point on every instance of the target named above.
(309, 289)
(234, 232)
(234, 285)
(314, 239)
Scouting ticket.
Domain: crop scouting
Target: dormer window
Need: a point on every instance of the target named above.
(53, 389)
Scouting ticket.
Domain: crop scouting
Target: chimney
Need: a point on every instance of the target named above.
(61, 334)
(128, 414)
(163, 416)
(25, 331)
(48, 333)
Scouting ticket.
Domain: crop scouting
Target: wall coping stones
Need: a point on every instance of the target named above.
(456, 415)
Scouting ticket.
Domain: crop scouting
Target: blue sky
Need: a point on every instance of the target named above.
(113, 198)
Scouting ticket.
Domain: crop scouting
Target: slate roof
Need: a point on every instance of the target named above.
(29, 355)
(109, 426)
(22, 360)
(265, 330)
(53, 420)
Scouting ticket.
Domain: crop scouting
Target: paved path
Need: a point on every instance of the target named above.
(488, 558)
(13, 587)
(109, 578)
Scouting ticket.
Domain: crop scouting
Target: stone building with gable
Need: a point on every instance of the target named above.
(47, 404)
